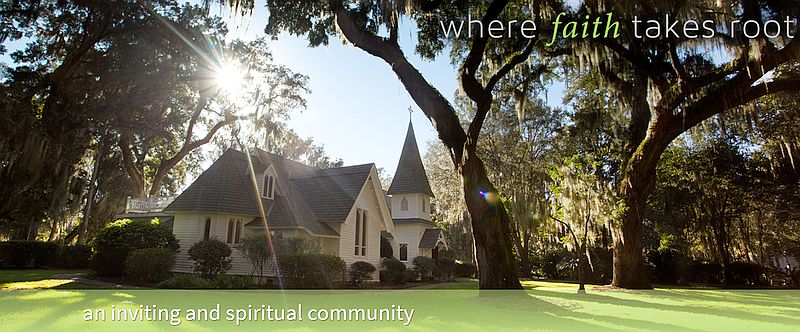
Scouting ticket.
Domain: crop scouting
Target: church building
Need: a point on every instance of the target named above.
(344, 209)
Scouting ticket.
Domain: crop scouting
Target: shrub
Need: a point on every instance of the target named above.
(255, 248)
(74, 257)
(149, 265)
(184, 281)
(466, 270)
(211, 257)
(27, 254)
(446, 269)
(745, 273)
(113, 243)
(386, 248)
(394, 271)
(709, 273)
(311, 270)
(424, 265)
(223, 281)
(360, 272)
(411, 275)
(667, 265)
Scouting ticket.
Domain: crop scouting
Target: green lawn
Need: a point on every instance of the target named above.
(549, 306)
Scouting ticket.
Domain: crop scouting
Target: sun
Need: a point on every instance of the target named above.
(229, 78)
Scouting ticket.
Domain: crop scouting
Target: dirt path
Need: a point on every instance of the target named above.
(78, 277)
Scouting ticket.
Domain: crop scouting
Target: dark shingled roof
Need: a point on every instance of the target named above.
(403, 221)
(410, 177)
(304, 197)
(430, 238)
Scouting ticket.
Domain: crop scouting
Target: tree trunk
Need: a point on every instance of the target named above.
(490, 225)
(638, 181)
(87, 211)
(581, 267)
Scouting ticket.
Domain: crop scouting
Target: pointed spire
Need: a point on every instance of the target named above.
(410, 177)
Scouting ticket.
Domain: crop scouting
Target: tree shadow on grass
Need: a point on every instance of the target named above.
(732, 313)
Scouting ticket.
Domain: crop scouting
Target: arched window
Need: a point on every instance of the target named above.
(403, 251)
(268, 186)
(404, 204)
(424, 205)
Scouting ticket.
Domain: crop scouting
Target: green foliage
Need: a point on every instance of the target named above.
(446, 268)
(114, 243)
(746, 274)
(361, 272)
(424, 264)
(288, 245)
(149, 265)
(193, 281)
(255, 247)
(412, 275)
(211, 257)
(466, 270)
(22, 254)
(311, 270)
(74, 257)
(667, 266)
(393, 271)
(386, 248)
(224, 281)
(184, 281)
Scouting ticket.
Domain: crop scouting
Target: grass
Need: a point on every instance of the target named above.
(38, 279)
(543, 305)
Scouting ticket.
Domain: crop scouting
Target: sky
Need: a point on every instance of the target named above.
(357, 108)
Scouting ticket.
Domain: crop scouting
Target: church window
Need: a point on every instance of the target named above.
(404, 204)
(234, 231)
(207, 230)
(403, 251)
(269, 186)
(361, 233)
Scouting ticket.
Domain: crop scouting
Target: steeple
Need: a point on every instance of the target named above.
(410, 177)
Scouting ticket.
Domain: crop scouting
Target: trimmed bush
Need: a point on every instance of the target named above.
(193, 281)
(708, 273)
(393, 271)
(149, 265)
(466, 270)
(211, 257)
(411, 275)
(184, 281)
(360, 272)
(27, 254)
(224, 281)
(446, 269)
(745, 273)
(114, 243)
(255, 248)
(74, 257)
(424, 265)
(667, 265)
(311, 270)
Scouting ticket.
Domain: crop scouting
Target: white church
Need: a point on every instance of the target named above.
(344, 209)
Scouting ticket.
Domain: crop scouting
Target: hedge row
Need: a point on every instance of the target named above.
(36, 254)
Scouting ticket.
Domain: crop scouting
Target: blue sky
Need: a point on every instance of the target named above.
(357, 107)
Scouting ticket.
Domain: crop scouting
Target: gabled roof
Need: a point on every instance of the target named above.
(306, 197)
(431, 238)
(406, 221)
(410, 177)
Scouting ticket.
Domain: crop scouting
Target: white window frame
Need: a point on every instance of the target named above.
(268, 191)
(360, 243)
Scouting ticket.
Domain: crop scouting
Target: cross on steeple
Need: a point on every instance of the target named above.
(410, 110)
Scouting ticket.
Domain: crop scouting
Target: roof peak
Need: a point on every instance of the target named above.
(410, 176)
